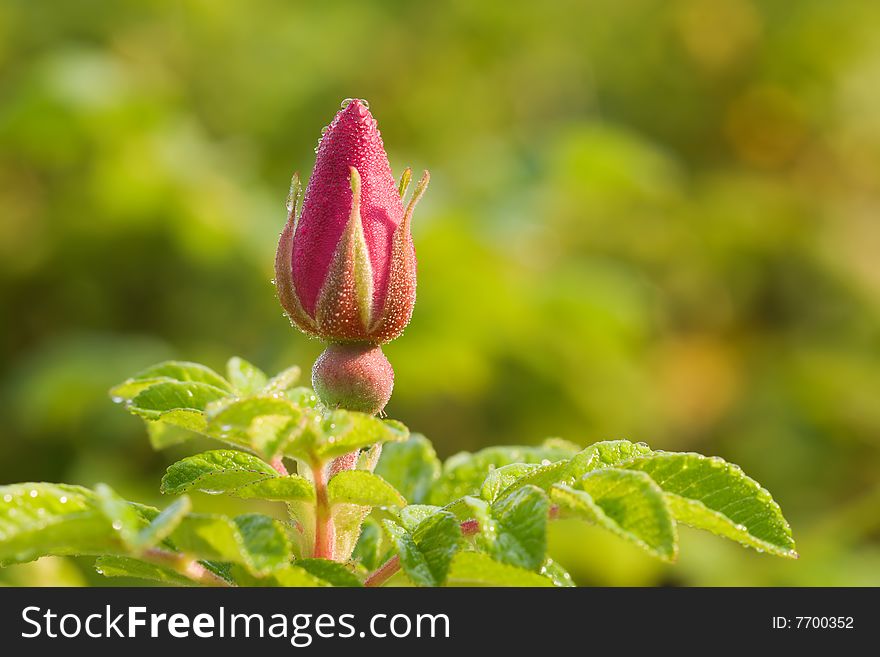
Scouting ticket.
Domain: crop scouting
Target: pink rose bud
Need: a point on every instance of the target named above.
(346, 267)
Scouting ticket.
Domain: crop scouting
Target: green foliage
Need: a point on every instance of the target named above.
(426, 549)
(363, 488)
(710, 494)
(477, 569)
(234, 473)
(128, 567)
(625, 503)
(268, 417)
(479, 519)
(411, 467)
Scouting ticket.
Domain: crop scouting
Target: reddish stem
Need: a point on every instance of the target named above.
(325, 534)
(384, 573)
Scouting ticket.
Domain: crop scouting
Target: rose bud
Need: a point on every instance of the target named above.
(346, 268)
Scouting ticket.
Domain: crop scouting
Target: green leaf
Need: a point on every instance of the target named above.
(123, 517)
(711, 494)
(168, 372)
(369, 548)
(303, 397)
(362, 488)
(464, 473)
(217, 471)
(246, 378)
(632, 507)
(257, 542)
(291, 488)
(164, 435)
(283, 381)
(180, 404)
(163, 524)
(346, 431)
(500, 478)
(289, 576)
(557, 574)
(471, 508)
(477, 569)
(542, 476)
(234, 473)
(412, 515)
(519, 535)
(263, 424)
(603, 454)
(330, 571)
(111, 566)
(411, 467)
(38, 519)
(265, 541)
(426, 553)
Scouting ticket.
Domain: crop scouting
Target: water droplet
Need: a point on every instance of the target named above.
(345, 103)
(99, 571)
(225, 427)
(117, 525)
(116, 399)
(63, 499)
(34, 492)
(545, 462)
(7, 497)
(189, 393)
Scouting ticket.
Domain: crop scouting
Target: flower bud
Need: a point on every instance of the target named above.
(345, 269)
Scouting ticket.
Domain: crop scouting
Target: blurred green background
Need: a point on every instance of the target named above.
(649, 219)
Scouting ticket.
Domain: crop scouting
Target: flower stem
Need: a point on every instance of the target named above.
(325, 532)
